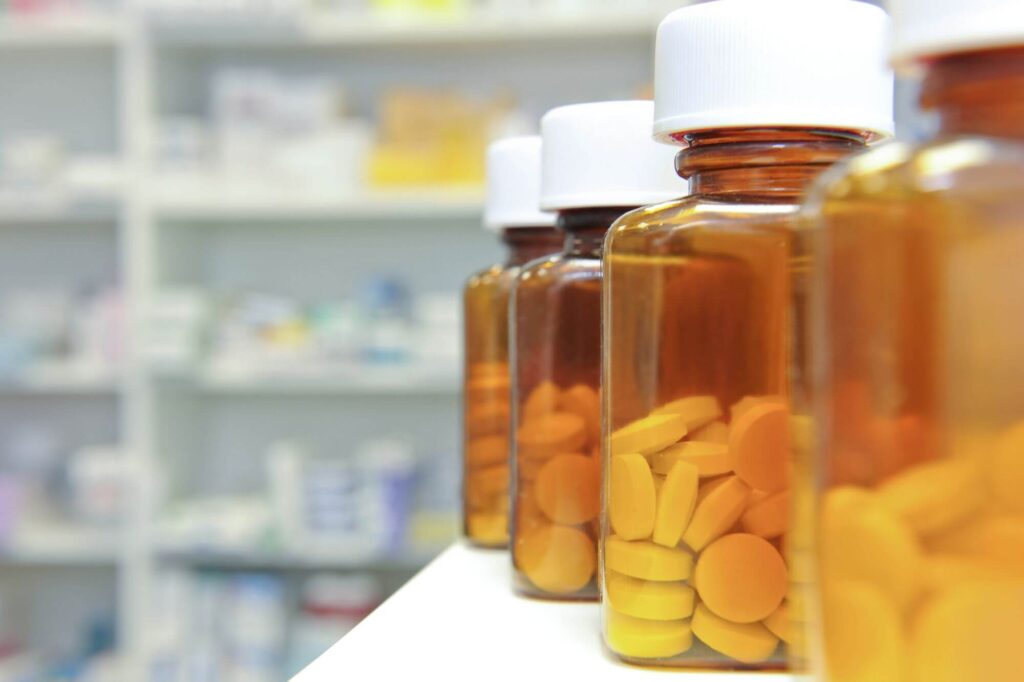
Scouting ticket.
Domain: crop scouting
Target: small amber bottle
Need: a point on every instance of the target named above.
(921, 468)
(599, 162)
(702, 373)
(513, 190)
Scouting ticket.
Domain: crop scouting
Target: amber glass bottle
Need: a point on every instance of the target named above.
(513, 193)
(703, 374)
(920, 314)
(599, 162)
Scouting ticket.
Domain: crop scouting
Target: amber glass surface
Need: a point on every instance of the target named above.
(921, 401)
(557, 373)
(486, 402)
(703, 379)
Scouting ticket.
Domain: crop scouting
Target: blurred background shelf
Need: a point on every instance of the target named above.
(61, 31)
(297, 561)
(270, 204)
(58, 210)
(319, 28)
(356, 381)
(61, 379)
(65, 545)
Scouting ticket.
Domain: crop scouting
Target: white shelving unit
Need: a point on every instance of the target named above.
(161, 66)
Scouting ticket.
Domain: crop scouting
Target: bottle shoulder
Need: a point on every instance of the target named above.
(556, 269)
(487, 277)
(944, 168)
(698, 214)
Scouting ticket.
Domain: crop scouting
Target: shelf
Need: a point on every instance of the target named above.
(246, 204)
(61, 546)
(315, 28)
(408, 380)
(60, 30)
(464, 597)
(57, 211)
(60, 379)
(295, 561)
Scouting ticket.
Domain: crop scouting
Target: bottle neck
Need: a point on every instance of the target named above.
(585, 229)
(772, 164)
(530, 243)
(979, 93)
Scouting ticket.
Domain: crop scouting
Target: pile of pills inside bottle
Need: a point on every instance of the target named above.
(923, 571)
(558, 460)
(487, 467)
(698, 505)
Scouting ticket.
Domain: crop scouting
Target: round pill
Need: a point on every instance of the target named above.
(865, 542)
(647, 598)
(759, 447)
(487, 387)
(1006, 470)
(743, 404)
(943, 570)
(488, 418)
(557, 559)
(648, 435)
(970, 632)
(717, 513)
(639, 638)
(1000, 537)
(543, 400)
(741, 578)
(481, 452)
(527, 514)
(491, 368)
(483, 485)
(769, 517)
(582, 401)
(527, 469)
(647, 560)
(551, 434)
(936, 496)
(802, 431)
(863, 636)
(676, 501)
(715, 432)
(487, 528)
(744, 642)
(778, 623)
(697, 410)
(632, 502)
(711, 459)
(568, 489)
(709, 485)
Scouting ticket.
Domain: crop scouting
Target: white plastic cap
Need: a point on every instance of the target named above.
(928, 28)
(513, 184)
(777, 63)
(602, 154)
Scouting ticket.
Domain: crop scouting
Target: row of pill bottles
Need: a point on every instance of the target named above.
(921, 393)
(599, 161)
(705, 386)
(512, 210)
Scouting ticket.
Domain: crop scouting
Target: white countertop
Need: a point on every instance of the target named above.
(459, 619)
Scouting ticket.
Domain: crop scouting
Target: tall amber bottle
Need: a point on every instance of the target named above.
(599, 162)
(702, 372)
(920, 313)
(513, 194)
